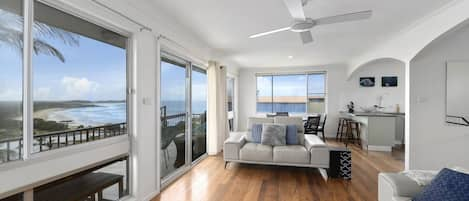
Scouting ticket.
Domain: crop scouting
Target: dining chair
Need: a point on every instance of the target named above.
(312, 124)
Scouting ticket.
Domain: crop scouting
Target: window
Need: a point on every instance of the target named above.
(199, 112)
(316, 93)
(11, 32)
(230, 86)
(79, 81)
(230, 93)
(293, 93)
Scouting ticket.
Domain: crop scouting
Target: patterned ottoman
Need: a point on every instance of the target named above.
(340, 163)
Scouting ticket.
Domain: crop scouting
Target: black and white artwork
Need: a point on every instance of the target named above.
(367, 81)
(389, 81)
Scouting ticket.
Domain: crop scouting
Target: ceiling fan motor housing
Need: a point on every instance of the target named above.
(303, 25)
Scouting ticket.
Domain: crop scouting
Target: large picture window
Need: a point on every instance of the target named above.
(78, 85)
(11, 32)
(230, 89)
(292, 93)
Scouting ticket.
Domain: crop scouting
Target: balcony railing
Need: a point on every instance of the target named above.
(12, 148)
(170, 120)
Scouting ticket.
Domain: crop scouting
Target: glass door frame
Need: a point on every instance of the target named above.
(205, 155)
(168, 179)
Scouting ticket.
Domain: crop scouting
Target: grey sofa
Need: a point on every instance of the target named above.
(311, 152)
(397, 187)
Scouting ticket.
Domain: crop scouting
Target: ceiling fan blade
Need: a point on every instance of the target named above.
(344, 18)
(296, 9)
(269, 32)
(306, 37)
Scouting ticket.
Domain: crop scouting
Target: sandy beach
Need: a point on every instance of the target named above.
(45, 114)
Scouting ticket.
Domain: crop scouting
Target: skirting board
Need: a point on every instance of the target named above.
(379, 148)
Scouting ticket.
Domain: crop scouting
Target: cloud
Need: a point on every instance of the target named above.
(77, 88)
(9, 93)
(42, 93)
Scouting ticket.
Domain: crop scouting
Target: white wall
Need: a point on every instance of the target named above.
(433, 143)
(369, 96)
(335, 83)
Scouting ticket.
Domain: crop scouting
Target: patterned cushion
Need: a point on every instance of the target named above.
(448, 185)
(273, 134)
(256, 133)
(292, 138)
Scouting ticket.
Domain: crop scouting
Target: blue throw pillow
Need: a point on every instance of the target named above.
(256, 133)
(448, 185)
(292, 138)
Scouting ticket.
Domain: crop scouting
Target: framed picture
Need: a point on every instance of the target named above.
(367, 81)
(389, 81)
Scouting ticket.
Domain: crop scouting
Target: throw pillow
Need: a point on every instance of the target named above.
(256, 133)
(273, 134)
(448, 185)
(292, 138)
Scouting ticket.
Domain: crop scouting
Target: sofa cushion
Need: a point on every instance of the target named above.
(273, 134)
(298, 121)
(402, 185)
(292, 137)
(256, 152)
(447, 185)
(256, 120)
(256, 133)
(291, 154)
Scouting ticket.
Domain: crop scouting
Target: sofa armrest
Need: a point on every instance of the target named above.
(232, 145)
(318, 149)
(313, 141)
(395, 186)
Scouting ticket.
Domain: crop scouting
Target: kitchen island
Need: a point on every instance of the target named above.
(380, 131)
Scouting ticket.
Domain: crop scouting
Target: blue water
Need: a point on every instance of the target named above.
(112, 113)
(281, 107)
(178, 107)
(105, 113)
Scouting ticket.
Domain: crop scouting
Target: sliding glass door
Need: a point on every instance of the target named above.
(173, 115)
(183, 115)
(199, 112)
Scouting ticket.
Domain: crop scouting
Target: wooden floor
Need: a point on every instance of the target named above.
(209, 181)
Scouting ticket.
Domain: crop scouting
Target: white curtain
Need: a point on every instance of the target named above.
(217, 107)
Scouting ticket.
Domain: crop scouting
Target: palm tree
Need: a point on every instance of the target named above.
(11, 34)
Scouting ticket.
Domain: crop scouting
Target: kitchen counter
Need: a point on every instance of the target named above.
(380, 131)
(379, 114)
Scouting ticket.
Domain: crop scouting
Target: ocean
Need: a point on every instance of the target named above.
(281, 107)
(112, 113)
(105, 113)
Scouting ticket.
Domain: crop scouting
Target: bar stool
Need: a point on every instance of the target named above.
(340, 128)
(353, 129)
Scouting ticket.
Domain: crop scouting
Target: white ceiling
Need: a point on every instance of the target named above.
(225, 25)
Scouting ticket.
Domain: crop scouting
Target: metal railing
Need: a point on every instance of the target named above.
(167, 120)
(11, 149)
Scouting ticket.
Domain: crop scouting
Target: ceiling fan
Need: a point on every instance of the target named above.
(302, 24)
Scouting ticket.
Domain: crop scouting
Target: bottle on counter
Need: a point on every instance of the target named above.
(398, 108)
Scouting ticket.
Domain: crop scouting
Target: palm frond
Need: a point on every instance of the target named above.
(11, 34)
(42, 47)
(42, 30)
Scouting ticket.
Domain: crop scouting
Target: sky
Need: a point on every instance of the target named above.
(173, 80)
(290, 85)
(93, 70)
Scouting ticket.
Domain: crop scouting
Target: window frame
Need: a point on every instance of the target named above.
(28, 156)
(306, 73)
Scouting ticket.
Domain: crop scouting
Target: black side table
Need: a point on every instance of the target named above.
(340, 163)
